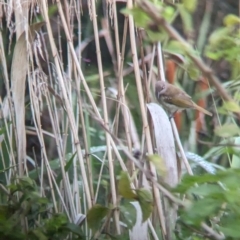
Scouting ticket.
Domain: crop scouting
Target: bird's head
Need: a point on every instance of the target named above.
(160, 88)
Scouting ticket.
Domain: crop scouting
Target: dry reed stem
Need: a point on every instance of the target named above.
(144, 118)
(66, 181)
(105, 114)
(85, 140)
(129, 125)
(36, 119)
(9, 129)
(65, 97)
(88, 92)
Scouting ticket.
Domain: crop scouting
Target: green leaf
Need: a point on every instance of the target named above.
(146, 202)
(74, 229)
(190, 181)
(231, 106)
(186, 18)
(180, 48)
(156, 35)
(168, 13)
(128, 214)
(57, 221)
(193, 72)
(27, 183)
(140, 17)
(206, 190)
(230, 226)
(231, 20)
(190, 5)
(200, 210)
(95, 215)
(159, 164)
(218, 35)
(227, 177)
(66, 168)
(124, 187)
(227, 130)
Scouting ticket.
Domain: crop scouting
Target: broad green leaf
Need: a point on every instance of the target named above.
(212, 55)
(227, 177)
(206, 190)
(218, 35)
(190, 5)
(227, 130)
(144, 195)
(159, 164)
(146, 202)
(200, 210)
(190, 181)
(26, 182)
(168, 13)
(157, 35)
(231, 106)
(231, 19)
(177, 47)
(232, 196)
(124, 187)
(193, 72)
(186, 18)
(230, 226)
(74, 229)
(56, 222)
(95, 215)
(141, 18)
(128, 214)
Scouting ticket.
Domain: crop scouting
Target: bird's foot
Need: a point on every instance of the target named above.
(172, 115)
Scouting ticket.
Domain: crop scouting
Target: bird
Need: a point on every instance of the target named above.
(174, 99)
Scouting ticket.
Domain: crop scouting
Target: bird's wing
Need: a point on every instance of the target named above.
(182, 100)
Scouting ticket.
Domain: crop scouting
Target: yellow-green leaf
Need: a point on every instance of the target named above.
(186, 18)
(193, 72)
(95, 215)
(227, 130)
(190, 5)
(231, 19)
(124, 187)
(146, 202)
(159, 164)
(218, 35)
(140, 17)
(231, 106)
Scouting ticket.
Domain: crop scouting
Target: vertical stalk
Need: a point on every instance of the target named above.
(65, 96)
(144, 118)
(105, 116)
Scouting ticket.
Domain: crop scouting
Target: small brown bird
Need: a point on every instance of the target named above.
(174, 99)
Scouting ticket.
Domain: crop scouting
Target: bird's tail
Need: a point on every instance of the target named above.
(200, 109)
